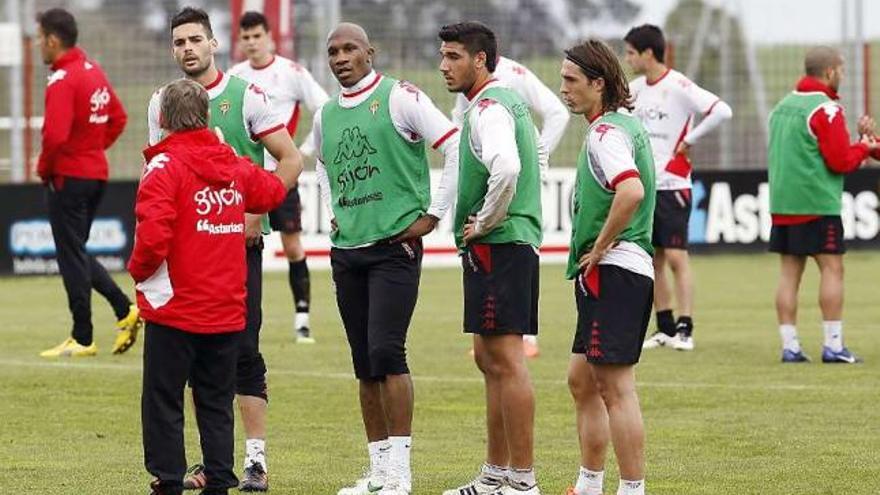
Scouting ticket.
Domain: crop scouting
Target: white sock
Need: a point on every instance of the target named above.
(631, 487)
(379, 453)
(833, 335)
(589, 482)
(300, 320)
(521, 479)
(400, 449)
(532, 339)
(255, 452)
(493, 475)
(789, 337)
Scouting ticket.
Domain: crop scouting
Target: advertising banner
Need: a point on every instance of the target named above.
(730, 214)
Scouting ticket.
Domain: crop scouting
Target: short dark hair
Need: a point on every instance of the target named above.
(59, 23)
(252, 19)
(476, 37)
(647, 36)
(597, 60)
(184, 106)
(192, 15)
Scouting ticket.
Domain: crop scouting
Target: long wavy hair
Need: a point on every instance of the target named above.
(597, 60)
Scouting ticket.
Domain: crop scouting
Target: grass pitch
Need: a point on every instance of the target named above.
(725, 419)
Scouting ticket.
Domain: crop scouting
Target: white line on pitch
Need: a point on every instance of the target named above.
(68, 365)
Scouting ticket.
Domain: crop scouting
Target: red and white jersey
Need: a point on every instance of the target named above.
(259, 116)
(612, 160)
(537, 96)
(290, 87)
(666, 108)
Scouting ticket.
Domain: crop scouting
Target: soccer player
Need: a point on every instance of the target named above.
(666, 102)
(189, 263)
(83, 118)
(243, 114)
(809, 155)
(554, 116)
(288, 85)
(610, 262)
(374, 178)
(498, 232)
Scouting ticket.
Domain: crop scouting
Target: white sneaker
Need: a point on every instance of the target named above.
(658, 339)
(683, 342)
(396, 483)
(369, 484)
(477, 487)
(509, 490)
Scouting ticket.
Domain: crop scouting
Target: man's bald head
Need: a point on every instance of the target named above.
(350, 31)
(821, 58)
(349, 53)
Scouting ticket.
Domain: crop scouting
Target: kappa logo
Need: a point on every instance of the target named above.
(56, 76)
(353, 145)
(831, 109)
(603, 129)
(157, 163)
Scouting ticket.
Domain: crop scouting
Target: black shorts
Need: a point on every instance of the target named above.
(614, 307)
(500, 289)
(287, 218)
(250, 373)
(823, 235)
(376, 291)
(671, 215)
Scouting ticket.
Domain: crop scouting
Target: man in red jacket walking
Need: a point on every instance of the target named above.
(189, 265)
(83, 118)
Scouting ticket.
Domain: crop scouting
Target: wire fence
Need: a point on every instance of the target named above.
(715, 43)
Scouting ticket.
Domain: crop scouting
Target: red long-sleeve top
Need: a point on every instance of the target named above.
(83, 117)
(828, 124)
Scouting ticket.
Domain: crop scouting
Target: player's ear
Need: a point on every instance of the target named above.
(371, 53)
(480, 60)
(214, 45)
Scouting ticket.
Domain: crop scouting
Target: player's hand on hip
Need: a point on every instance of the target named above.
(683, 148)
(253, 229)
(422, 226)
(470, 231)
(591, 259)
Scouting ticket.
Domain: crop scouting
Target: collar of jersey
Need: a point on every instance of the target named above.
(809, 84)
(218, 86)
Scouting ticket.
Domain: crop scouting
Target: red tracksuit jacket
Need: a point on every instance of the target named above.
(83, 118)
(189, 249)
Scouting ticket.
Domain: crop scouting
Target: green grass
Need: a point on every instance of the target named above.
(726, 419)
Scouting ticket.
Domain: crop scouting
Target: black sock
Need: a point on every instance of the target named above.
(666, 322)
(685, 325)
(298, 276)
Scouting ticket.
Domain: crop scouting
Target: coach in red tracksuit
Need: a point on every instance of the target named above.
(83, 118)
(189, 265)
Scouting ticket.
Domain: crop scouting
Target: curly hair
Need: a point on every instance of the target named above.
(597, 60)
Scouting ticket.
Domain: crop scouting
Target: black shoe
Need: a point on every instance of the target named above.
(195, 477)
(255, 479)
(157, 487)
